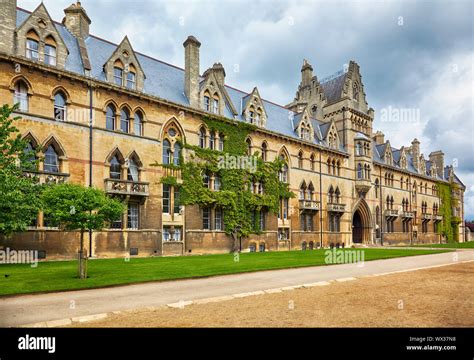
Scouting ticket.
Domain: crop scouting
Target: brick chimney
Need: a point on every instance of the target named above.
(437, 157)
(191, 70)
(7, 26)
(77, 21)
(379, 138)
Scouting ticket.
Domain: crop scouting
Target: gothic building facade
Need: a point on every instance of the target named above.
(101, 114)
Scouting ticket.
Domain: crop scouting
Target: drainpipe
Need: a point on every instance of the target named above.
(381, 208)
(90, 155)
(320, 202)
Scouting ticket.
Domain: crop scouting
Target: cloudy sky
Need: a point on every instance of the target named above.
(412, 55)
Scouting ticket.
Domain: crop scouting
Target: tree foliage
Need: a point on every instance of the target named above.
(75, 207)
(19, 195)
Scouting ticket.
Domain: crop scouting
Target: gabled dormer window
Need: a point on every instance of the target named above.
(131, 80)
(207, 102)
(118, 74)
(215, 104)
(32, 49)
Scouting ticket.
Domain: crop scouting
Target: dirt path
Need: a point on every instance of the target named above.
(438, 297)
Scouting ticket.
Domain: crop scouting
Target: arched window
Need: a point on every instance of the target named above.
(310, 192)
(138, 123)
(131, 77)
(207, 101)
(264, 151)
(115, 168)
(212, 140)
(337, 195)
(166, 152)
(30, 155)
(202, 138)
(376, 188)
(360, 173)
(355, 91)
(338, 165)
(118, 73)
(60, 107)
(51, 160)
(358, 148)
(300, 159)
(221, 141)
(303, 191)
(50, 51)
(329, 166)
(283, 174)
(132, 172)
(249, 147)
(177, 153)
(331, 195)
(215, 104)
(20, 96)
(311, 159)
(110, 117)
(32, 45)
(124, 120)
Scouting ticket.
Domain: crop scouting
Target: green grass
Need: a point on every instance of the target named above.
(61, 275)
(464, 245)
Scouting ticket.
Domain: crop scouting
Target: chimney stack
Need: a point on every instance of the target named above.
(219, 73)
(191, 70)
(77, 21)
(379, 138)
(437, 157)
(415, 153)
(306, 73)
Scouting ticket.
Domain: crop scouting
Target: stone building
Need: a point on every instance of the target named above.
(351, 185)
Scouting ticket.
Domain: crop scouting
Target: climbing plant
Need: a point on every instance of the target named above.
(235, 196)
(447, 226)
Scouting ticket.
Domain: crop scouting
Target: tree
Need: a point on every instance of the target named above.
(75, 207)
(19, 195)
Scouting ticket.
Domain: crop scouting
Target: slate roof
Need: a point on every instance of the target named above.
(166, 81)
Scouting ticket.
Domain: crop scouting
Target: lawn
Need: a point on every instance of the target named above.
(464, 245)
(61, 275)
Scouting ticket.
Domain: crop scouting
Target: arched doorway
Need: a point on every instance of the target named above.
(361, 223)
(357, 228)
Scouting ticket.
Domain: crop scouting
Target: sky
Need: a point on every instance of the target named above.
(415, 58)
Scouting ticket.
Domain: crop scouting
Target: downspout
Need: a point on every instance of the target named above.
(321, 203)
(90, 154)
(381, 208)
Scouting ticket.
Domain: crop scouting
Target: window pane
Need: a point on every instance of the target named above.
(118, 76)
(115, 168)
(132, 170)
(124, 120)
(110, 118)
(166, 152)
(137, 124)
(50, 55)
(51, 163)
(205, 219)
(32, 47)
(131, 80)
(176, 206)
(176, 154)
(166, 199)
(133, 216)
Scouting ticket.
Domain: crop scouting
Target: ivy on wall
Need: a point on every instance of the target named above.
(235, 196)
(448, 225)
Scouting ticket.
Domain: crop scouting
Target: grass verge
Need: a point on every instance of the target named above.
(61, 275)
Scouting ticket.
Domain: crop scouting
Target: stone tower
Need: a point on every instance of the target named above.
(191, 70)
(7, 26)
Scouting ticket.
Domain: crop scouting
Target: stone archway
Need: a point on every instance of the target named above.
(361, 223)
